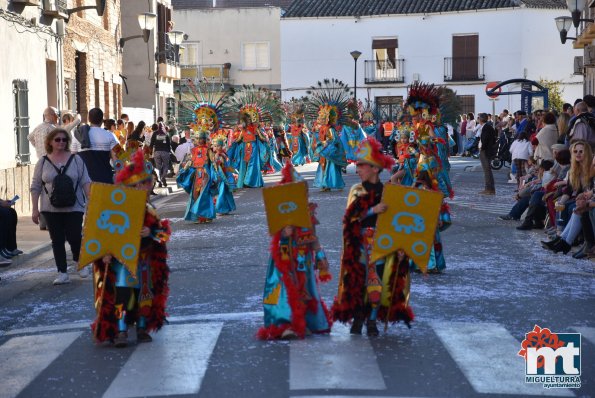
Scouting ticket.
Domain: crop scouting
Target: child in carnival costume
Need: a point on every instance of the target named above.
(299, 141)
(250, 152)
(273, 165)
(223, 175)
(139, 299)
(327, 104)
(370, 291)
(292, 303)
(423, 104)
(368, 121)
(351, 133)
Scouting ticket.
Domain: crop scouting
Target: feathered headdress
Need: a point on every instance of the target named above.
(219, 138)
(423, 97)
(327, 102)
(294, 109)
(207, 112)
(367, 113)
(133, 172)
(254, 105)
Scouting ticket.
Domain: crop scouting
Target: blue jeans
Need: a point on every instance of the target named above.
(519, 207)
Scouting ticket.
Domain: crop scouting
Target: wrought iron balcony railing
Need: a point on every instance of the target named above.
(464, 69)
(384, 71)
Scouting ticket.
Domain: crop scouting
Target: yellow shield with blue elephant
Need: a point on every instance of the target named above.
(113, 223)
(409, 223)
(287, 204)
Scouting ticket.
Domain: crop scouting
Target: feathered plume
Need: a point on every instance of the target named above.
(330, 92)
(208, 101)
(424, 96)
(260, 104)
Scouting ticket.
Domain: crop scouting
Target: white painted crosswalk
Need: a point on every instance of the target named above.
(182, 369)
(178, 359)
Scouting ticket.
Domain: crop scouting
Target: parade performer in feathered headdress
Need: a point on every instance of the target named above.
(351, 132)
(140, 299)
(423, 104)
(299, 140)
(369, 291)
(223, 175)
(196, 174)
(293, 306)
(250, 152)
(327, 104)
(368, 121)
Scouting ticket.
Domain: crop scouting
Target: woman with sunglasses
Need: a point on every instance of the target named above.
(573, 201)
(64, 223)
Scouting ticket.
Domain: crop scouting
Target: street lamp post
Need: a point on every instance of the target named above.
(355, 54)
(564, 24)
(147, 23)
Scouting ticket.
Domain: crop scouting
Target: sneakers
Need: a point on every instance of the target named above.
(142, 336)
(121, 340)
(5, 261)
(62, 279)
(507, 217)
(371, 328)
(15, 252)
(356, 326)
(288, 334)
(85, 272)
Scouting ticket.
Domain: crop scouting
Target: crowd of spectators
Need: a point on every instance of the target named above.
(554, 168)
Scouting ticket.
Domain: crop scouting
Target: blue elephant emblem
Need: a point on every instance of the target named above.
(408, 223)
(286, 207)
(114, 221)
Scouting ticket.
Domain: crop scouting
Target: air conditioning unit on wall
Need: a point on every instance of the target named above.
(55, 8)
(578, 65)
(589, 58)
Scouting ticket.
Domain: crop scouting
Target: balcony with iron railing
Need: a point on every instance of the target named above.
(215, 73)
(464, 69)
(168, 58)
(384, 71)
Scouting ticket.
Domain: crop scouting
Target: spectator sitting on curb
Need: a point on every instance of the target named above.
(8, 232)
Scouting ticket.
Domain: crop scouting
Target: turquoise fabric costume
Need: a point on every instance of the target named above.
(299, 145)
(332, 154)
(274, 162)
(200, 206)
(351, 138)
(443, 174)
(223, 176)
(250, 156)
(291, 298)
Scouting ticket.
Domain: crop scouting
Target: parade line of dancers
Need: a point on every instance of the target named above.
(239, 136)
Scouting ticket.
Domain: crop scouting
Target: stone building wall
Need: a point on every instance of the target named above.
(95, 39)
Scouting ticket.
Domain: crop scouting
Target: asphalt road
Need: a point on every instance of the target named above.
(470, 320)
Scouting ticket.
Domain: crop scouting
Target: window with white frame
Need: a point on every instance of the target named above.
(256, 55)
(190, 54)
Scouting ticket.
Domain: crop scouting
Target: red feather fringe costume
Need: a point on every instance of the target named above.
(351, 300)
(153, 248)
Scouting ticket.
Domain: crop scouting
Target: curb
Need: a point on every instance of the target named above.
(44, 247)
(34, 252)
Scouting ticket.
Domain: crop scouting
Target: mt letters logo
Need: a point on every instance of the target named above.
(552, 359)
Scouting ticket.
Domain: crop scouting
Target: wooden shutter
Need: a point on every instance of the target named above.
(465, 54)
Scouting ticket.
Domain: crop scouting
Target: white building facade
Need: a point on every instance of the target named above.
(463, 50)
